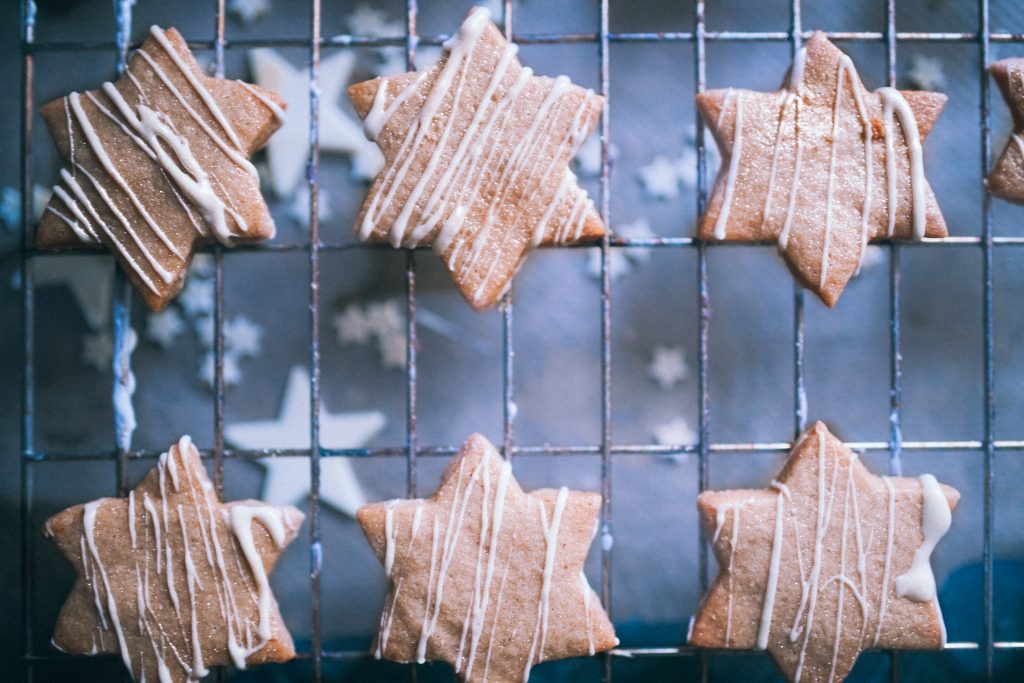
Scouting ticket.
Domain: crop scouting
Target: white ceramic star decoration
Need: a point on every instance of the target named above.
(288, 149)
(287, 480)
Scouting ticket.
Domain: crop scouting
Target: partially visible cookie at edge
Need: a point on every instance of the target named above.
(158, 162)
(485, 576)
(172, 579)
(1006, 179)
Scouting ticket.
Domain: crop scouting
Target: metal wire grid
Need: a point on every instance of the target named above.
(412, 450)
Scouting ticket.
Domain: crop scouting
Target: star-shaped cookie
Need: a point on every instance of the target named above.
(485, 576)
(477, 153)
(157, 162)
(830, 561)
(171, 578)
(1006, 180)
(822, 166)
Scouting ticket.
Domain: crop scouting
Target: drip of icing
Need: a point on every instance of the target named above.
(890, 530)
(203, 93)
(918, 583)
(733, 542)
(734, 162)
(131, 518)
(183, 167)
(894, 101)
(89, 512)
(768, 607)
(480, 605)
(191, 581)
(96, 145)
(242, 517)
(550, 531)
(587, 594)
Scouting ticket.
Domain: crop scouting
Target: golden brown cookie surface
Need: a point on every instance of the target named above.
(822, 167)
(829, 561)
(485, 576)
(1006, 180)
(477, 153)
(171, 578)
(157, 162)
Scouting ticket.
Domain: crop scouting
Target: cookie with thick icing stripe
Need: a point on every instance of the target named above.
(485, 576)
(1006, 180)
(477, 153)
(821, 167)
(173, 579)
(829, 561)
(158, 162)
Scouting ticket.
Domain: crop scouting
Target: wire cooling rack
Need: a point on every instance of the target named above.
(413, 450)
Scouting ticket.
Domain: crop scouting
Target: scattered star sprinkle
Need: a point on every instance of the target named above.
(621, 259)
(660, 178)
(668, 366)
(164, 327)
(926, 73)
(197, 298)
(380, 321)
(675, 432)
(243, 337)
(232, 370)
(249, 10)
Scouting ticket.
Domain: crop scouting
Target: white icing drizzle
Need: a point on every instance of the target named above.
(893, 100)
(734, 161)
(444, 197)
(550, 530)
(96, 145)
(275, 109)
(242, 517)
(768, 607)
(918, 583)
(794, 91)
(161, 636)
(587, 594)
(196, 84)
(846, 68)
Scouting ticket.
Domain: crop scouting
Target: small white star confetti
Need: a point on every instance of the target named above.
(243, 337)
(232, 371)
(98, 350)
(249, 10)
(926, 73)
(660, 178)
(164, 327)
(197, 298)
(675, 432)
(588, 159)
(621, 259)
(668, 366)
(287, 479)
(382, 321)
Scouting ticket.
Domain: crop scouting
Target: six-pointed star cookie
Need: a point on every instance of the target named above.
(1006, 180)
(171, 578)
(828, 562)
(157, 162)
(477, 153)
(485, 576)
(822, 167)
